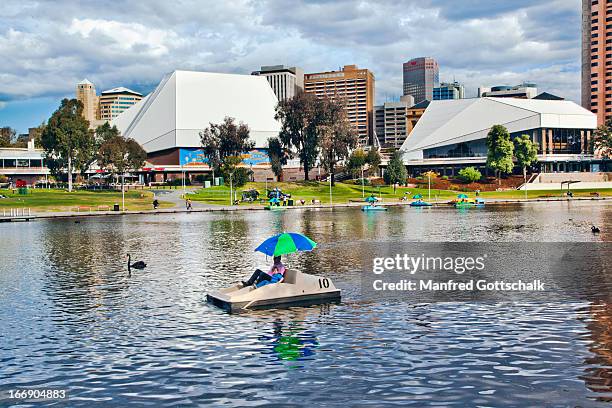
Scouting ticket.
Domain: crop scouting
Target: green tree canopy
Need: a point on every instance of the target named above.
(7, 134)
(223, 141)
(278, 156)
(67, 141)
(601, 143)
(336, 135)
(500, 151)
(373, 159)
(469, 175)
(525, 152)
(396, 171)
(118, 155)
(300, 117)
(356, 161)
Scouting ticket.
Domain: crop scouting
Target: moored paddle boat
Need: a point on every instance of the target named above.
(373, 208)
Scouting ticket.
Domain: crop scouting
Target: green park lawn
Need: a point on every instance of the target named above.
(349, 192)
(53, 200)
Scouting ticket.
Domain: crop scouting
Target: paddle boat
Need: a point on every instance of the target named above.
(371, 204)
(419, 201)
(479, 202)
(296, 288)
(373, 208)
(274, 205)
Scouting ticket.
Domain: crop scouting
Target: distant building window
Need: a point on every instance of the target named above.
(594, 64)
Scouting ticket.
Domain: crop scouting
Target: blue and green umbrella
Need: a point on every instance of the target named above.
(286, 243)
(417, 196)
(274, 200)
(462, 196)
(371, 199)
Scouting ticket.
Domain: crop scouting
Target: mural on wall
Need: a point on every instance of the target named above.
(195, 157)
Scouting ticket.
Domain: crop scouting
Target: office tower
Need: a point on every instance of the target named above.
(446, 91)
(524, 91)
(421, 76)
(355, 87)
(285, 81)
(391, 122)
(597, 58)
(116, 100)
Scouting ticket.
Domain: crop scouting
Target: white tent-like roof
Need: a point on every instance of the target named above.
(186, 102)
(456, 121)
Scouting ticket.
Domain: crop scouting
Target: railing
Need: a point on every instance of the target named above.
(16, 212)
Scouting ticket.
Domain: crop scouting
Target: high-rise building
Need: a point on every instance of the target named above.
(355, 87)
(525, 90)
(421, 76)
(448, 90)
(116, 100)
(86, 93)
(597, 58)
(285, 81)
(391, 122)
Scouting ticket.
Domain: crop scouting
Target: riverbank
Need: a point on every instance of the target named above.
(257, 207)
(350, 192)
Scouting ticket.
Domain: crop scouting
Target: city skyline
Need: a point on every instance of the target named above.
(52, 46)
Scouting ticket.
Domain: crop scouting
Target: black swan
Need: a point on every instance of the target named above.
(135, 265)
(595, 230)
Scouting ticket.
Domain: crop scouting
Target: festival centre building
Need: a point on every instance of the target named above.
(451, 134)
(168, 121)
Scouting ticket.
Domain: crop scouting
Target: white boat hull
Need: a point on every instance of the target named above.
(296, 289)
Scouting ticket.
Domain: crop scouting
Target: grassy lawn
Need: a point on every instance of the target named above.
(347, 192)
(46, 200)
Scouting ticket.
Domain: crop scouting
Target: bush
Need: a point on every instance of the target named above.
(201, 178)
(444, 177)
(3, 179)
(179, 182)
(469, 175)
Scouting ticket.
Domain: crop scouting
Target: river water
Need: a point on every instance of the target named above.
(71, 318)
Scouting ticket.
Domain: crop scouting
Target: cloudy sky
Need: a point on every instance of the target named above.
(48, 46)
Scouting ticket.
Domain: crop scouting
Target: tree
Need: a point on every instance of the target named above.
(499, 151)
(67, 141)
(105, 132)
(601, 143)
(356, 161)
(7, 134)
(278, 156)
(373, 159)
(525, 152)
(469, 175)
(224, 140)
(223, 145)
(336, 136)
(118, 155)
(300, 116)
(396, 171)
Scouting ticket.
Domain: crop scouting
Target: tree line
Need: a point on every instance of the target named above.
(314, 130)
(71, 146)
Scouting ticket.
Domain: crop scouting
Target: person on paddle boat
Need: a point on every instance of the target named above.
(261, 278)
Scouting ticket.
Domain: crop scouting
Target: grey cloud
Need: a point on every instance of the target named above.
(479, 42)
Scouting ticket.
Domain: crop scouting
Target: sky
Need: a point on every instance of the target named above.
(49, 46)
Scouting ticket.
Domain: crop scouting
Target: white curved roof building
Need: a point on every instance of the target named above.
(186, 102)
(453, 132)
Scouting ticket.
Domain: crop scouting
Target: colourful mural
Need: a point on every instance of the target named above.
(195, 157)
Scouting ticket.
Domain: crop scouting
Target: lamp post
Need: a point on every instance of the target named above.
(429, 184)
(123, 191)
(362, 183)
(331, 199)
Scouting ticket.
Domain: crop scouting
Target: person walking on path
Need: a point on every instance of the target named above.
(188, 204)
